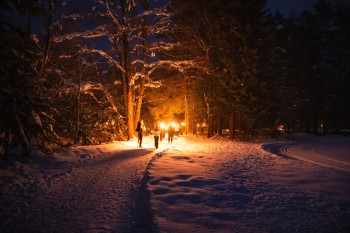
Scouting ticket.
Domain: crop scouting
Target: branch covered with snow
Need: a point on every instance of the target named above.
(105, 55)
(86, 34)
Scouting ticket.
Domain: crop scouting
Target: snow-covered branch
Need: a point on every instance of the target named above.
(181, 66)
(105, 55)
(112, 15)
(86, 34)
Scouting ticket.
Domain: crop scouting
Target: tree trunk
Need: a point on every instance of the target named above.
(232, 126)
(143, 69)
(130, 114)
(208, 115)
(210, 128)
(21, 136)
(219, 128)
(186, 107)
(77, 119)
(139, 101)
(47, 39)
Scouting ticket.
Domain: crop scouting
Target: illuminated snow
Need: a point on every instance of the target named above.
(197, 185)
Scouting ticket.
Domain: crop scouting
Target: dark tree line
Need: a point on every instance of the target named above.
(262, 70)
(87, 74)
(310, 71)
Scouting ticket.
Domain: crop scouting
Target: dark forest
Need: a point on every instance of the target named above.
(86, 74)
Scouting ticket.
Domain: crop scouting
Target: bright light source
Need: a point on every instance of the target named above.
(162, 125)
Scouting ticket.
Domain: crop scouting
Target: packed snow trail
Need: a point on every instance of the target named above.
(95, 198)
(328, 151)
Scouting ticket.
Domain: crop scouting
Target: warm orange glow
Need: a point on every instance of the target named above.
(280, 128)
(162, 125)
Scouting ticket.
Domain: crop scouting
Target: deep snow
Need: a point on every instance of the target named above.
(301, 184)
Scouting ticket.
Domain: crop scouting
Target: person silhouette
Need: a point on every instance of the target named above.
(171, 132)
(139, 130)
(156, 135)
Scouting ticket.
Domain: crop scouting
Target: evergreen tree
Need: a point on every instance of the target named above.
(20, 102)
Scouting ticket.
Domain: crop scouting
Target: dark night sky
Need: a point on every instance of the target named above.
(286, 7)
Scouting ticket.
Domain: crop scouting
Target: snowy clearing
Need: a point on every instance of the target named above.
(221, 186)
(192, 185)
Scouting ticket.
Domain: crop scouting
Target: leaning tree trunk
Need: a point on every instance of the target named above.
(21, 136)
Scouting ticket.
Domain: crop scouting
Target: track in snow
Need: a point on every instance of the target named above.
(326, 151)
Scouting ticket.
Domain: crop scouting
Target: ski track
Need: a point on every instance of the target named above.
(315, 154)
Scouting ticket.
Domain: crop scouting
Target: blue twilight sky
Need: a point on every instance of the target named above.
(286, 7)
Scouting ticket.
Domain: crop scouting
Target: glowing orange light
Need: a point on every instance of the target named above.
(280, 127)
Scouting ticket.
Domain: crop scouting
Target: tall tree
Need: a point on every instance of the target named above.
(129, 29)
(20, 59)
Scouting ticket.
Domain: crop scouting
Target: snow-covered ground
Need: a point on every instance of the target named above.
(192, 185)
(79, 189)
(214, 185)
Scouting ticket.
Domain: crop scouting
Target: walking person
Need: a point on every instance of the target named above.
(139, 130)
(162, 133)
(156, 135)
(177, 129)
(171, 132)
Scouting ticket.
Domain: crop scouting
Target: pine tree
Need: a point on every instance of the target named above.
(20, 58)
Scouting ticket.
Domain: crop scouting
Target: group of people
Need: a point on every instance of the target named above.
(157, 133)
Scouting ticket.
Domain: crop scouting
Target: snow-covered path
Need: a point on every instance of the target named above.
(96, 197)
(329, 151)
